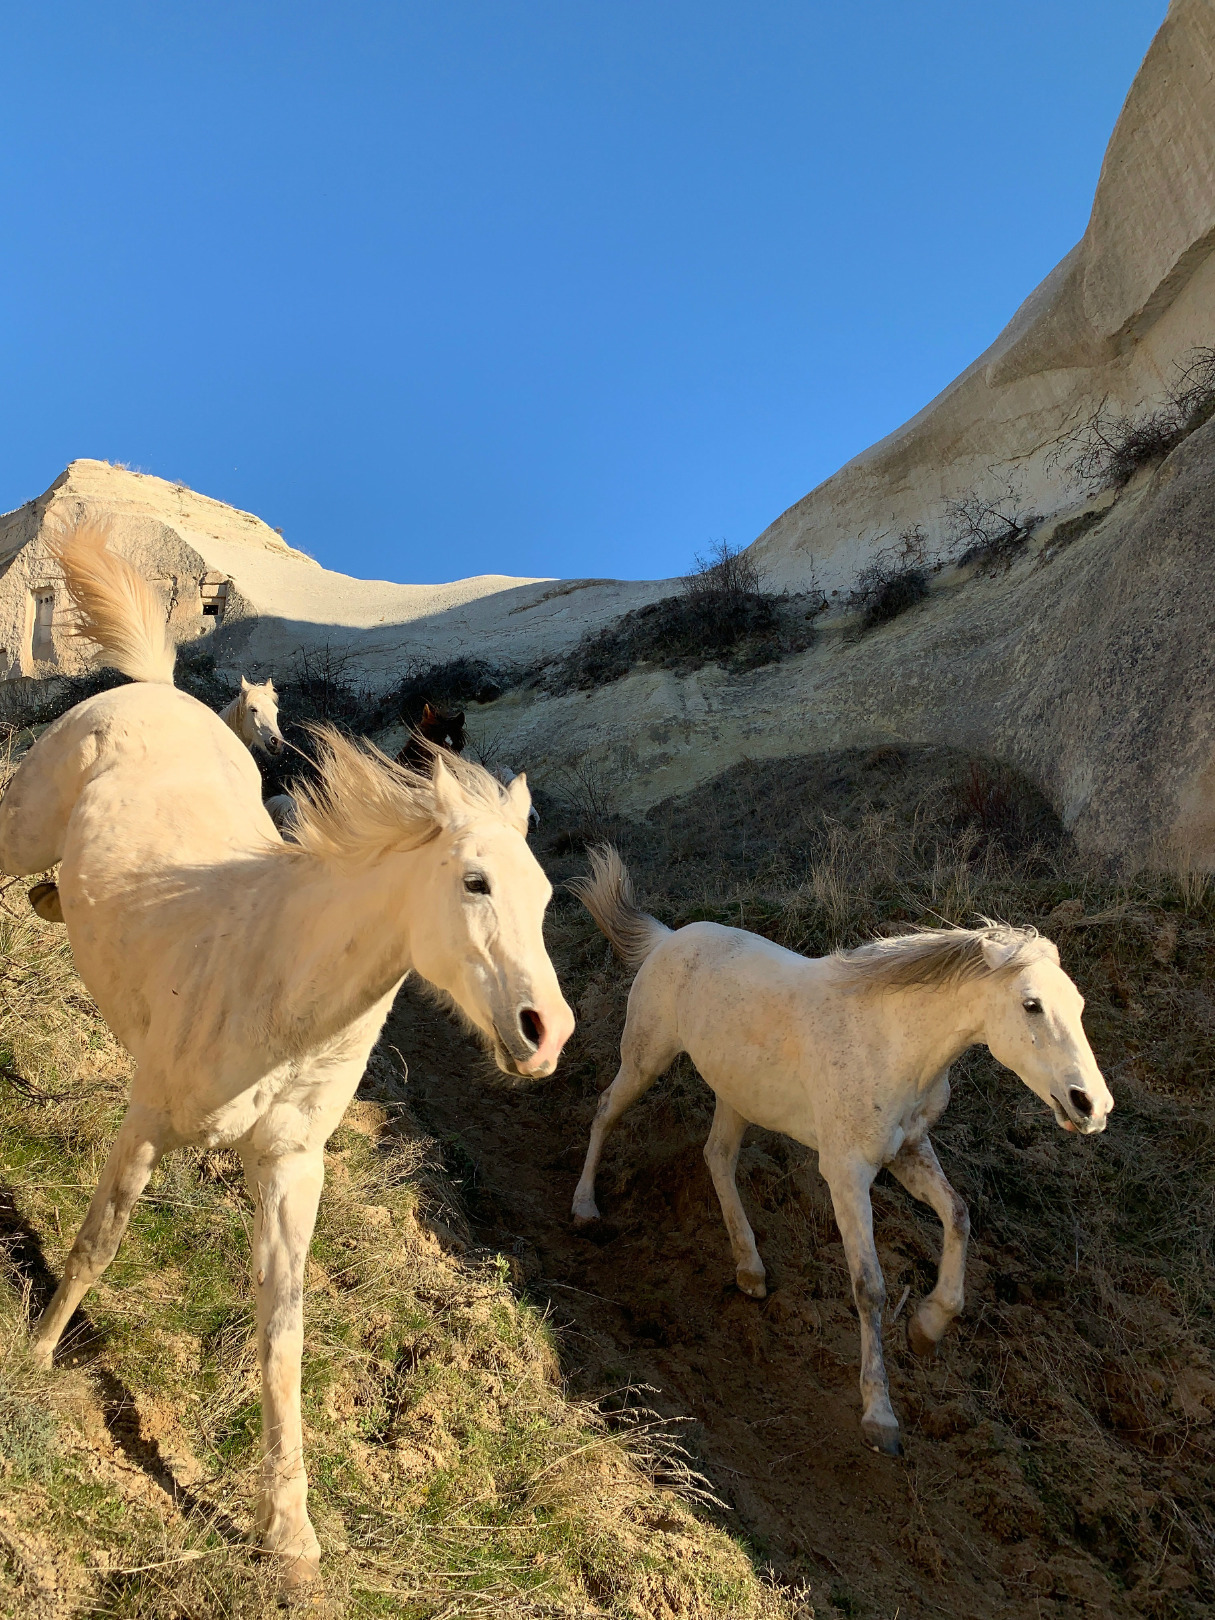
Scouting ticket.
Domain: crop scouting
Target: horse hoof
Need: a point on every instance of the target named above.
(44, 897)
(297, 1573)
(753, 1284)
(921, 1344)
(585, 1214)
(882, 1437)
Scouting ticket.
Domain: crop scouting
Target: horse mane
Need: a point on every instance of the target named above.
(933, 958)
(362, 805)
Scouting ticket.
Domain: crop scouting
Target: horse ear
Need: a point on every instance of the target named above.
(457, 719)
(428, 715)
(450, 804)
(244, 685)
(519, 798)
(996, 952)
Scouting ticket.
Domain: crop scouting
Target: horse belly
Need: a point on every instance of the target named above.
(761, 1068)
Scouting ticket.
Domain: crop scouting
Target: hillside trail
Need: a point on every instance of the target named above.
(770, 1387)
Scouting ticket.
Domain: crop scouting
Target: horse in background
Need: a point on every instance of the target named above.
(250, 978)
(435, 728)
(850, 1055)
(253, 716)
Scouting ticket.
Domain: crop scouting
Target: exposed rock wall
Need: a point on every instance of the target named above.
(1110, 323)
(1089, 664)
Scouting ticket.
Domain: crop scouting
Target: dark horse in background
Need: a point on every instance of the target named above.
(434, 728)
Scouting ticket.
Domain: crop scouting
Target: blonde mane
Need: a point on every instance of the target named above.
(933, 958)
(363, 805)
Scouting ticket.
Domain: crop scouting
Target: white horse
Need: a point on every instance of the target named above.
(506, 776)
(850, 1054)
(249, 978)
(253, 716)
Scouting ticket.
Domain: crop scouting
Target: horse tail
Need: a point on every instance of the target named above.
(608, 895)
(117, 607)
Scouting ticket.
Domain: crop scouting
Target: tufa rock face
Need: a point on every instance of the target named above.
(1089, 664)
(227, 575)
(1109, 325)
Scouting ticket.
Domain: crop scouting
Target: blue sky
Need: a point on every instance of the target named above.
(539, 288)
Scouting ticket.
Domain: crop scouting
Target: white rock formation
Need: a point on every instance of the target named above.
(223, 569)
(1110, 323)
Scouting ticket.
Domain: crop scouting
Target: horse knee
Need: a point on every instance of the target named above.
(869, 1291)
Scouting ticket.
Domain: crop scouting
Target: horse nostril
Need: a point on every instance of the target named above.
(1081, 1102)
(532, 1026)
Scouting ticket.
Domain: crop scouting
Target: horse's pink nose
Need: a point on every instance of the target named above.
(547, 1034)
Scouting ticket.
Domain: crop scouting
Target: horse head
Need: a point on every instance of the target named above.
(1033, 1026)
(484, 939)
(259, 715)
(472, 896)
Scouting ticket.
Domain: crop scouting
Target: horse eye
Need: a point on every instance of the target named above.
(1033, 1005)
(476, 883)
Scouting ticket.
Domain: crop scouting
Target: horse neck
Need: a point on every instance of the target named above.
(234, 714)
(336, 941)
(939, 1023)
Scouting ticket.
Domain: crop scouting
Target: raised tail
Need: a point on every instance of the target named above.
(117, 607)
(608, 895)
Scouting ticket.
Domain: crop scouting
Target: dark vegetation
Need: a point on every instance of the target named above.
(723, 615)
(887, 588)
(1109, 448)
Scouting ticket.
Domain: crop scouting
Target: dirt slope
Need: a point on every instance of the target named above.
(1043, 1476)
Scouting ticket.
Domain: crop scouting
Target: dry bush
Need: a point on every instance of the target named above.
(1109, 447)
(723, 616)
(446, 685)
(988, 532)
(726, 577)
(884, 589)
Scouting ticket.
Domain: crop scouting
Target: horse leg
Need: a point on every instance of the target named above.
(917, 1167)
(286, 1190)
(850, 1182)
(641, 1063)
(721, 1156)
(140, 1143)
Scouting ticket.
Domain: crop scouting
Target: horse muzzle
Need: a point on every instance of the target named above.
(531, 1043)
(1082, 1109)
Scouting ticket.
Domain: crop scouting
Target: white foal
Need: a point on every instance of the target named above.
(253, 716)
(849, 1054)
(249, 978)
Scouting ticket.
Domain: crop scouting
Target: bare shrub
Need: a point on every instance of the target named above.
(883, 590)
(723, 615)
(445, 685)
(727, 574)
(1109, 447)
(587, 813)
(988, 532)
